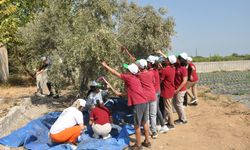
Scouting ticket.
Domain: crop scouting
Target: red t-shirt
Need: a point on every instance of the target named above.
(134, 89)
(157, 80)
(147, 81)
(100, 115)
(167, 78)
(192, 68)
(180, 73)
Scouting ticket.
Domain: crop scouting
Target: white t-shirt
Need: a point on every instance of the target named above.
(68, 118)
(93, 97)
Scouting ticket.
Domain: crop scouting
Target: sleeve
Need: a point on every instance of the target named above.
(184, 72)
(104, 93)
(79, 117)
(125, 77)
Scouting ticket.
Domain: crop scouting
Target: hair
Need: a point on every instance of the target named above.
(155, 65)
(183, 62)
(92, 89)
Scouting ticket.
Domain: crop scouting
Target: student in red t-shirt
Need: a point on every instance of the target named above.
(180, 87)
(147, 80)
(136, 99)
(153, 65)
(192, 82)
(168, 88)
(100, 119)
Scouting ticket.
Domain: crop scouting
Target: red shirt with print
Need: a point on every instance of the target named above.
(147, 81)
(157, 80)
(180, 73)
(100, 115)
(134, 89)
(167, 85)
(192, 72)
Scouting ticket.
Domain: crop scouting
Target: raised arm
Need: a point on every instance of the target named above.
(113, 71)
(112, 88)
(129, 54)
(161, 53)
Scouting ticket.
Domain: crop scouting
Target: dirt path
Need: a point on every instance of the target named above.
(216, 123)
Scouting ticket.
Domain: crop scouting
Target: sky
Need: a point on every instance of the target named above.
(210, 27)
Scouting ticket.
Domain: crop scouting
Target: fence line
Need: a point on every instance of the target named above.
(204, 67)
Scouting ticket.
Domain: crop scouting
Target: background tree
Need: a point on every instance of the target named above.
(79, 34)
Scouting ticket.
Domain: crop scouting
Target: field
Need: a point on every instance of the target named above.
(234, 84)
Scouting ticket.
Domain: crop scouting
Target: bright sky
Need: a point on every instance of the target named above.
(210, 26)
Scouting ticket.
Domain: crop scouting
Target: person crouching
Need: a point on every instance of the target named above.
(100, 119)
(69, 124)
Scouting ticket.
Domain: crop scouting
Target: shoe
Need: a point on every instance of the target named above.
(146, 144)
(154, 135)
(170, 127)
(107, 137)
(193, 101)
(50, 94)
(164, 129)
(179, 122)
(193, 104)
(73, 147)
(56, 96)
(158, 127)
(95, 136)
(135, 147)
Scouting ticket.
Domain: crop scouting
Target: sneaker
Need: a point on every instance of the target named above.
(56, 96)
(171, 127)
(164, 129)
(50, 94)
(154, 135)
(146, 144)
(95, 136)
(107, 137)
(193, 101)
(73, 147)
(179, 122)
(193, 104)
(135, 147)
(158, 127)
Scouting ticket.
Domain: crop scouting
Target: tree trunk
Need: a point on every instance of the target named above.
(4, 66)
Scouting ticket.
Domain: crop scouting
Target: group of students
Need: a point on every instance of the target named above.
(146, 81)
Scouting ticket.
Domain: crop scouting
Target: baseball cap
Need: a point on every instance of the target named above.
(184, 55)
(151, 59)
(133, 68)
(94, 83)
(142, 63)
(189, 59)
(172, 59)
(43, 58)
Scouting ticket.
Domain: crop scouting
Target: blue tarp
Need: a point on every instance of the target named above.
(34, 135)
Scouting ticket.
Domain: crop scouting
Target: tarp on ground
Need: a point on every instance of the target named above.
(34, 135)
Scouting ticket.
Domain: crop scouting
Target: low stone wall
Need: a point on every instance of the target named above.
(204, 67)
(14, 113)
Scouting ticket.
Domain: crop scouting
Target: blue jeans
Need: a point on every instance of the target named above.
(152, 114)
(160, 118)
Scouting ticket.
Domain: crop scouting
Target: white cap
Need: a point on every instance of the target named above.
(172, 59)
(94, 83)
(189, 59)
(142, 63)
(151, 59)
(184, 55)
(133, 68)
(43, 58)
(79, 102)
(82, 102)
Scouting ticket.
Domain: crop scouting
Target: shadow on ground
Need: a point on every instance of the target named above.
(61, 102)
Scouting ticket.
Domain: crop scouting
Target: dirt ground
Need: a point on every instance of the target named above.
(216, 123)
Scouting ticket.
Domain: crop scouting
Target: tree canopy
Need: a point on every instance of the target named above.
(78, 34)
